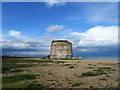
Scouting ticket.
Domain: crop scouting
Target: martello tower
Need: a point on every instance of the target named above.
(61, 49)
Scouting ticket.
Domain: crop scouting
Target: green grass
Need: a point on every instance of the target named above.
(107, 68)
(58, 62)
(93, 73)
(15, 71)
(50, 73)
(8, 67)
(30, 85)
(104, 67)
(76, 84)
(100, 71)
(96, 72)
(113, 69)
(66, 64)
(35, 85)
(14, 63)
(90, 67)
(66, 79)
(17, 78)
(103, 79)
(88, 74)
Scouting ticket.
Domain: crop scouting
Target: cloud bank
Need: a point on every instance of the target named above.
(98, 36)
(96, 40)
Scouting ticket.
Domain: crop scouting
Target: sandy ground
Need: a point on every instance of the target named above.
(67, 74)
(60, 75)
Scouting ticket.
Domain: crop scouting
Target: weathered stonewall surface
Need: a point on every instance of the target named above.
(61, 49)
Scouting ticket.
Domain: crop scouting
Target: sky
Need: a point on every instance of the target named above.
(29, 27)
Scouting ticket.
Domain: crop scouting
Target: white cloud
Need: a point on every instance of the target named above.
(52, 3)
(84, 50)
(15, 45)
(41, 43)
(30, 53)
(98, 36)
(14, 33)
(53, 28)
(75, 33)
(20, 45)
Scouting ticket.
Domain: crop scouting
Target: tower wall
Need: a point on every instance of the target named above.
(61, 49)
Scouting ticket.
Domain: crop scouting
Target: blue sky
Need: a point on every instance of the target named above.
(28, 28)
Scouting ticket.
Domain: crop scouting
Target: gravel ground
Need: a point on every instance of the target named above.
(68, 74)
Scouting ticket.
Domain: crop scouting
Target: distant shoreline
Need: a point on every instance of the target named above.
(112, 61)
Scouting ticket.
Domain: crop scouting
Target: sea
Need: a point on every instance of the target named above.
(101, 58)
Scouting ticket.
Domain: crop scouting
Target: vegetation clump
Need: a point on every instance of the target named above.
(96, 72)
(15, 71)
(58, 62)
(76, 84)
(89, 74)
(17, 78)
(90, 67)
(66, 64)
(71, 66)
(35, 85)
(103, 79)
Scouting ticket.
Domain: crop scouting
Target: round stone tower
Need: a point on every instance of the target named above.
(61, 49)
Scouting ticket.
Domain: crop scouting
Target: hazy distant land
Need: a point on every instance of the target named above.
(37, 73)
